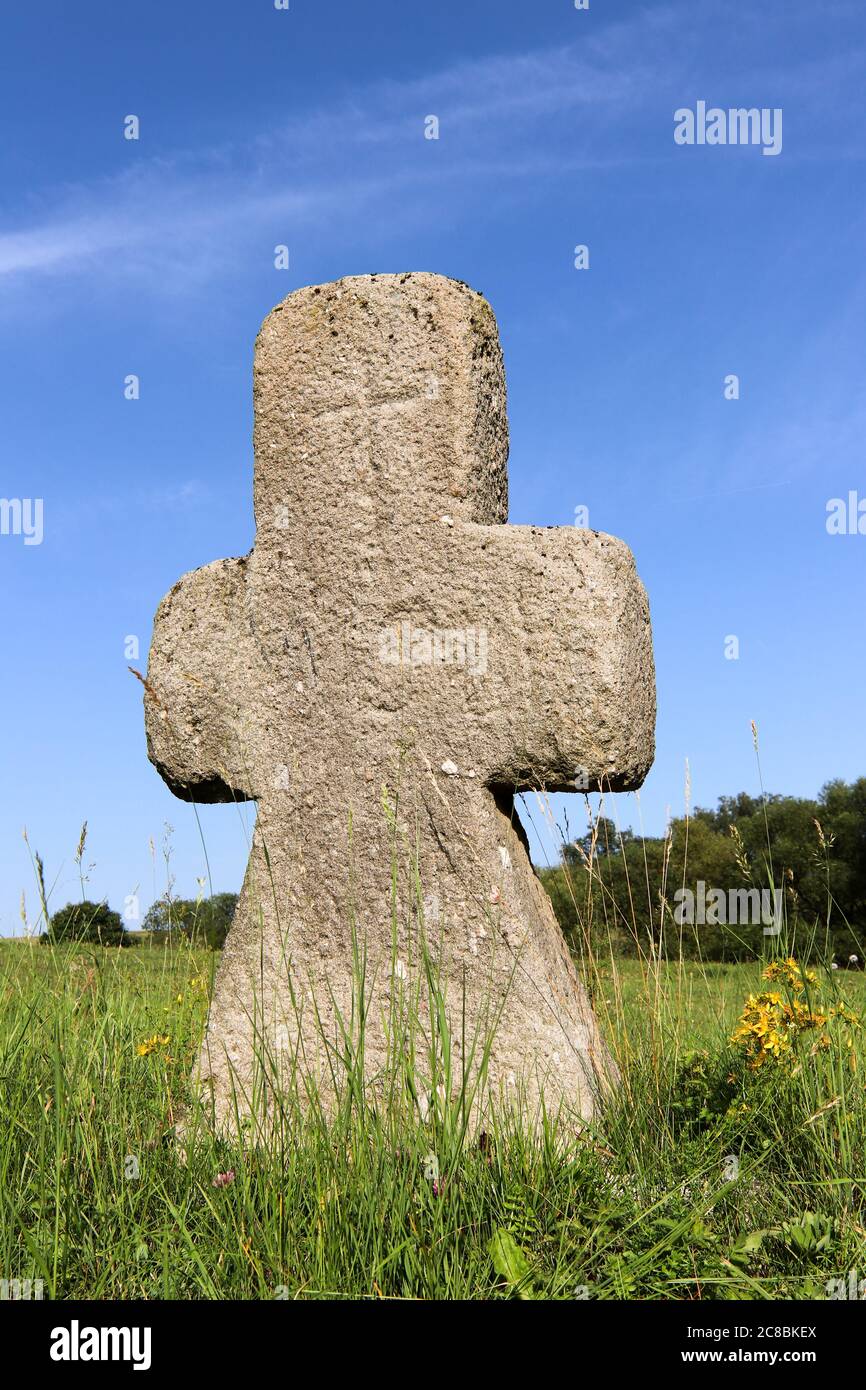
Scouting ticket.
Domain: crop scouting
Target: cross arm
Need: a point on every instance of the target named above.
(571, 663)
(201, 655)
(552, 684)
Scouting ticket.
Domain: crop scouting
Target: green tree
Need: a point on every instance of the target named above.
(205, 921)
(94, 923)
(613, 890)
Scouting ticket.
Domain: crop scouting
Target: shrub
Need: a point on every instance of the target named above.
(94, 923)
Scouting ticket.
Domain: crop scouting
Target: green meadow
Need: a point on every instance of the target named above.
(707, 1176)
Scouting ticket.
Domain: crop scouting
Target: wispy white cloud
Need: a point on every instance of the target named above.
(69, 515)
(175, 220)
(362, 162)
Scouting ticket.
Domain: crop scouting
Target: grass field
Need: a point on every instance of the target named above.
(705, 1178)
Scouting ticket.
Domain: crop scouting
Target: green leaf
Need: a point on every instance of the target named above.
(745, 1246)
(511, 1263)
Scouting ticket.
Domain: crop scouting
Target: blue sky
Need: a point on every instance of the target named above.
(306, 128)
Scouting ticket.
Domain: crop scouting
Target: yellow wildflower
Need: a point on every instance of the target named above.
(770, 1024)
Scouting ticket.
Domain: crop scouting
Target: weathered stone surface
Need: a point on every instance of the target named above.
(381, 673)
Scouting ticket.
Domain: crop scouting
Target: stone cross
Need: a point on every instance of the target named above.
(381, 674)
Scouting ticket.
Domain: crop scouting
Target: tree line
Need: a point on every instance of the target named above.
(204, 921)
(806, 857)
